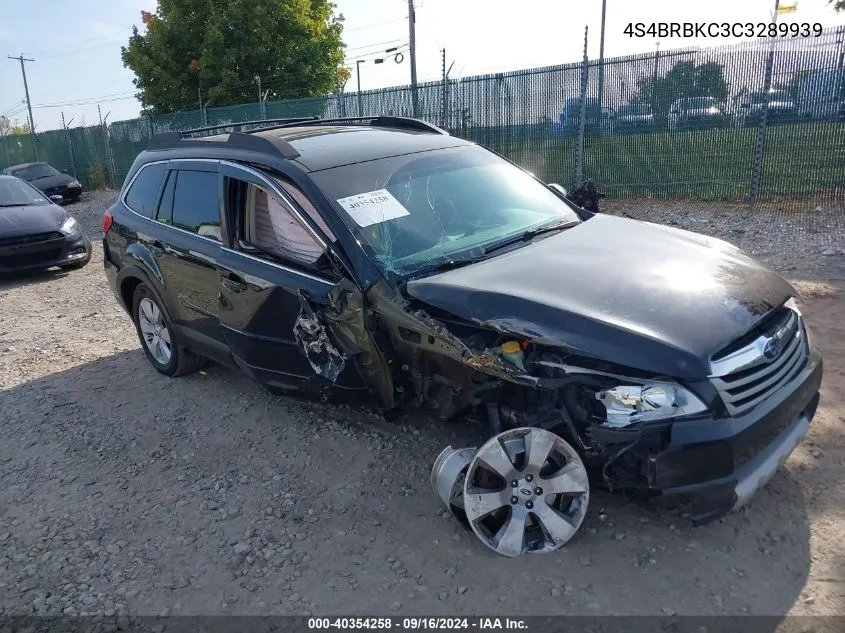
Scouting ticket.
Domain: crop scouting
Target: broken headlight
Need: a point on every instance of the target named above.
(627, 404)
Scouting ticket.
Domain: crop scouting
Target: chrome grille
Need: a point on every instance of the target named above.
(746, 377)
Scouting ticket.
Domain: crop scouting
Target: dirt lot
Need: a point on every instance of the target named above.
(125, 492)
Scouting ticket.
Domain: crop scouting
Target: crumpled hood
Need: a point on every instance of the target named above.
(36, 218)
(643, 295)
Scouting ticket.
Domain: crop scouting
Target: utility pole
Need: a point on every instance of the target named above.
(358, 77)
(23, 59)
(412, 43)
(601, 52)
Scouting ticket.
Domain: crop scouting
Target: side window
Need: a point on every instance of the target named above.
(267, 223)
(196, 205)
(165, 207)
(305, 204)
(141, 197)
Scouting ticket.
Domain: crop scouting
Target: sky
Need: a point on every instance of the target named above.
(77, 50)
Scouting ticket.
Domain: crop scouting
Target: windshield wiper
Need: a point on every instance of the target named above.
(446, 265)
(529, 235)
(13, 205)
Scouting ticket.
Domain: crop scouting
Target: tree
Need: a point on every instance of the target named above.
(838, 5)
(685, 79)
(220, 46)
(19, 130)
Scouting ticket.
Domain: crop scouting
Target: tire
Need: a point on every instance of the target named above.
(170, 359)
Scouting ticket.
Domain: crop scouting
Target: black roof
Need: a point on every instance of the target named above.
(316, 144)
(331, 146)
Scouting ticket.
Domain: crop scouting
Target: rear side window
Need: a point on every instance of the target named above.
(196, 205)
(165, 208)
(141, 197)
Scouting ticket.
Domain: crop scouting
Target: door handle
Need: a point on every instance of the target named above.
(234, 283)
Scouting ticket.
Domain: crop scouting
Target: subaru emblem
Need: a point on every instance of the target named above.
(772, 349)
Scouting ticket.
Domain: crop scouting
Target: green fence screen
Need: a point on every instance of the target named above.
(711, 124)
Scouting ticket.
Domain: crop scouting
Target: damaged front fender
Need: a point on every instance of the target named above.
(311, 336)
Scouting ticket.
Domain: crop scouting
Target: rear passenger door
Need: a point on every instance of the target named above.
(190, 205)
(277, 256)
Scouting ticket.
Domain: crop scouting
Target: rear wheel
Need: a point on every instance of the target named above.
(155, 332)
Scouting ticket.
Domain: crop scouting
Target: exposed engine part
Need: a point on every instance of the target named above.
(525, 490)
(494, 417)
(447, 479)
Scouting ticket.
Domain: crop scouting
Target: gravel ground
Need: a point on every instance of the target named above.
(806, 240)
(126, 493)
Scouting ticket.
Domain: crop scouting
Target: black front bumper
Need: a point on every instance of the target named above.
(68, 194)
(717, 465)
(62, 250)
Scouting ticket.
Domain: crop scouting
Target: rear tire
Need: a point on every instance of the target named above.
(158, 339)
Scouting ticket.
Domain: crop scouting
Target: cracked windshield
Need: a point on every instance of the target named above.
(420, 209)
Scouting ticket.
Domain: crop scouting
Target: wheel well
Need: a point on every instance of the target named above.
(127, 291)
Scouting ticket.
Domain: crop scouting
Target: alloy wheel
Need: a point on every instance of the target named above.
(526, 491)
(154, 331)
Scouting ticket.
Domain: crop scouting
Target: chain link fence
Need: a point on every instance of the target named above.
(758, 121)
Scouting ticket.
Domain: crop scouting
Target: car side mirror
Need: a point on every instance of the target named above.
(65, 171)
(558, 188)
(57, 199)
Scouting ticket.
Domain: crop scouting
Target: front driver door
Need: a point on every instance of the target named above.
(274, 260)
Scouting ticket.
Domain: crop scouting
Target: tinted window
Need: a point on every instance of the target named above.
(14, 193)
(195, 203)
(33, 172)
(165, 207)
(141, 196)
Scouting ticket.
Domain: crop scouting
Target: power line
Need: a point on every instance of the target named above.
(14, 106)
(77, 47)
(376, 54)
(369, 26)
(95, 100)
(372, 45)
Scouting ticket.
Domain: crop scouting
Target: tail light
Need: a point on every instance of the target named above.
(107, 222)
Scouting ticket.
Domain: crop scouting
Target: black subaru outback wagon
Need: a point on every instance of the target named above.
(382, 256)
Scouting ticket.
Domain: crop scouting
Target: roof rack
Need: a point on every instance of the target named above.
(236, 139)
(239, 125)
(398, 122)
(246, 140)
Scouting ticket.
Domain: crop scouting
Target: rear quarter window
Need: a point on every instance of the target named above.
(143, 193)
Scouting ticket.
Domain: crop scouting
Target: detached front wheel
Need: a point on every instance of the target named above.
(526, 491)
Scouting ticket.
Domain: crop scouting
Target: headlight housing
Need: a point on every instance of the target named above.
(70, 226)
(650, 401)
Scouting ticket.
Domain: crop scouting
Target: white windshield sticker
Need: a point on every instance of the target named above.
(373, 207)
